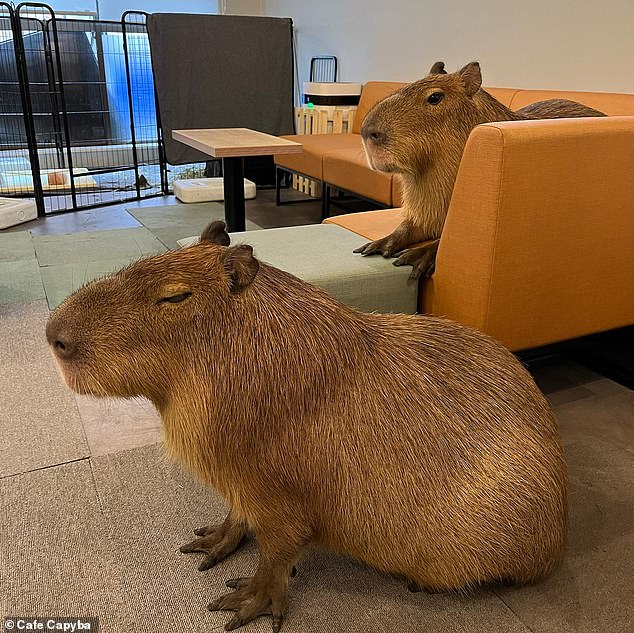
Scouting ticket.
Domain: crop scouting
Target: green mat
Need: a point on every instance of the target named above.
(16, 247)
(60, 281)
(174, 221)
(321, 254)
(92, 246)
(20, 282)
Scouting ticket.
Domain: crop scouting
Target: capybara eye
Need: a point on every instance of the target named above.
(435, 98)
(175, 298)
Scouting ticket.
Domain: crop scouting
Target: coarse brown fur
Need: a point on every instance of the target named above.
(412, 443)
(423, 142)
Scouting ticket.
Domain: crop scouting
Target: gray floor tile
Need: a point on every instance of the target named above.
(173, 222)
(197, 215)
(105, 219)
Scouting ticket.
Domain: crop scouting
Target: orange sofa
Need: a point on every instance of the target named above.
(538, 246)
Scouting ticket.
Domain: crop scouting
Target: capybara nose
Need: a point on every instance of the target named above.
(63, 348)
(61, 342)
(374, 134)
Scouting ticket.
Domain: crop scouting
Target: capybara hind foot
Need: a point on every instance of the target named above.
(238, 583)
(217, 542)
(250, 601)
(422, 259)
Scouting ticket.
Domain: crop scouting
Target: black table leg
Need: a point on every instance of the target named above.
(233, 172)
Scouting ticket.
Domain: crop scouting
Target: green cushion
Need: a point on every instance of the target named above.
(322, 255)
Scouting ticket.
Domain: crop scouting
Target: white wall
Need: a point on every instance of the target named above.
(565, 44)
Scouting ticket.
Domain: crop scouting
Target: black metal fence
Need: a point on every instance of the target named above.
(78, 119)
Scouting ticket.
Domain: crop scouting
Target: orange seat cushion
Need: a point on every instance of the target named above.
(372, 225)
(309, 161)
(348, 169)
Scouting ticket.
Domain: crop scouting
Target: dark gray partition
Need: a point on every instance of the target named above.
(221, 71)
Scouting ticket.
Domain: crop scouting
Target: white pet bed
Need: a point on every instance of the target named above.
(207, 190)
(16, 210)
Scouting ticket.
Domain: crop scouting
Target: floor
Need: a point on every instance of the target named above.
(92, 514)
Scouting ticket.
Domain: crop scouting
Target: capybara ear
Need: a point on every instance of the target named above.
(438, 69)
(241, 267)
(216, 233)
(471, 77)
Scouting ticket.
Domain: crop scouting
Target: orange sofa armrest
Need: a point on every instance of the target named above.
(538, 245)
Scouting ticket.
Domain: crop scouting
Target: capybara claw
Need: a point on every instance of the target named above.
(208, 562)
(217, 541)
(194, 546)
(277, 624)
(248, 604)
(237, 583)
(379, 247)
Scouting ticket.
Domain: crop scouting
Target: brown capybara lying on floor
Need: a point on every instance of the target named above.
(412, 443)
(420, 132)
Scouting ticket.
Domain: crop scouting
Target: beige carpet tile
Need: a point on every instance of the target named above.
(39, 422)
(152, 507)
(592, 591)
(56, 558)
(22, 332)
(92, 246)
(20, 282)
(113, 425)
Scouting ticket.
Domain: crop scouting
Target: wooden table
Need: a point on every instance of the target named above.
(232, 145)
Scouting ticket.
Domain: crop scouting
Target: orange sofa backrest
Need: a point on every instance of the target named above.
(373, 92)
(538, 242)
(612, 103)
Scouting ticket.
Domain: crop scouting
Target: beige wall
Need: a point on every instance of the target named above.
(242, 7)
(566, 44)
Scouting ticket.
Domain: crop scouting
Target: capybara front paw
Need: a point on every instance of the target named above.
(249, 602)
(386, 246)
(422, 259)
(218, 542)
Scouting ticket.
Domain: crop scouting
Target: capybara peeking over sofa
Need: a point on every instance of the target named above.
(412, 443)
(420, 132)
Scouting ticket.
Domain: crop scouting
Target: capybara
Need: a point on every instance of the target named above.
(412, 443)
(420, 133)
